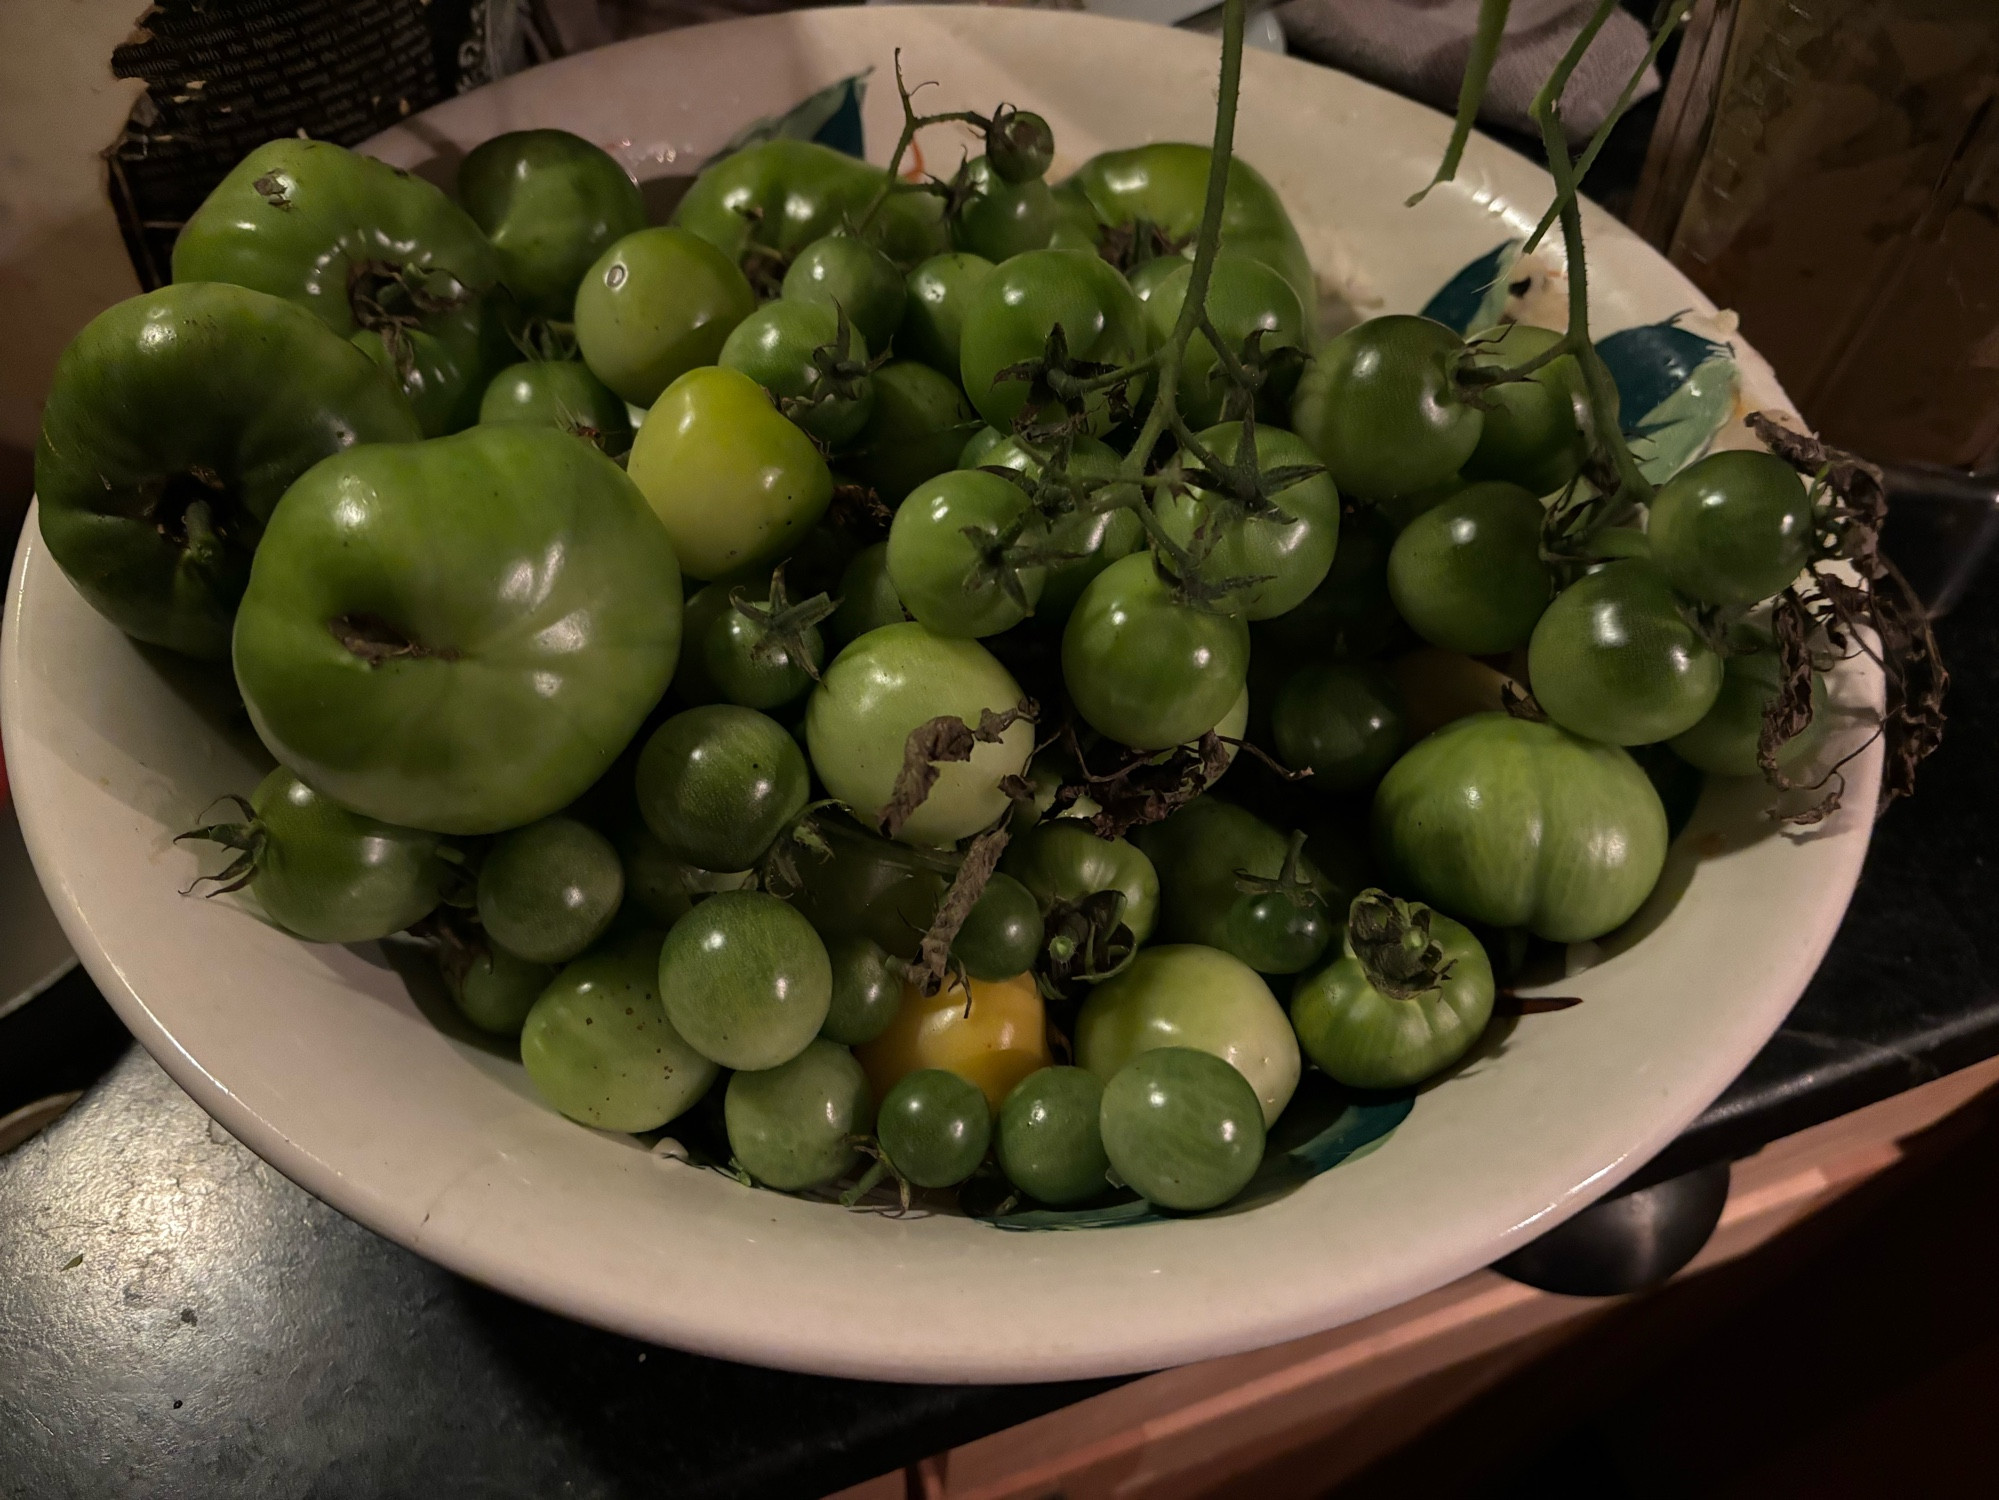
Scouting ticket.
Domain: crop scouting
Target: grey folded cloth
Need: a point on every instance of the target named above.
(1419, 47)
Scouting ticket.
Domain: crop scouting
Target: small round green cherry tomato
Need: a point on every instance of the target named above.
(1187, 995)
(1019, 144)
(718, 783)
(1615, 659)
(1145, 669)
(745, 980)
(655, 305)
(600, 1048)
(733, 482)
(840, 271)
(1048, 1139)
(741, 647)
(1246, 299)
(1734, 528)
(934, 1128)
(1287, 554)
(1341, 720)
(997, 218)
(867, 991)
(933, 310)
(1181, 1127)
(559, 393)
(1408, 996)
(548, 891)
(1002, 933)
(1512, 823)
(963, 554)
(916, 432)
(1149, 275)
(1467, 573)
(495, 989)
(1532, 434)
(1204, 853)
(1380, 405)
(868, 599)
(1011, 313)
(1725, 741)
(551, 203)
(892, 681)
(1062, 862)
(793, 349)
(1081, 541)
(793, 1126)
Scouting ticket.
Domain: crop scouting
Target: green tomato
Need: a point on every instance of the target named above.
(719, 783)
(934, 1128)
(1374, 1030)
(892, 681)
(1534, 429)
(1350, 616)
(1512, 823)
(1011, 313)
(551, 203)
(794, 1126)
(495, 990)
(1149, 275)
(867, 991)
(600, 1048)
(460, 634)
(769, 201)
(1186, 995)
(868, 599)
(935, 296)
(1182, 1128)
(955, 554)
(997, 218)
(919, 426)
(1083, 541)
(735, 484)
(661, 887)
(840, 271)
(368, 248)
(737, 657)
(1615, 658)
(793, 350)
(562, 394)
(1166, 186)
(864, 885)
(1285, 555)
(1340, 720)
(1048, 1140)
(1381, 406)
(548, 891)
(1202, 854)
(1725, 741)
(1145, 669)
(655, 305)
(1002, 932)
(1734, 528)
(174, 423)
(1246, 299)
(1467, 573)
(1019, 144)
(1062, 862)
(746, 980)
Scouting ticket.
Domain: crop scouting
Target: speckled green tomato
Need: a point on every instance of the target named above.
(935, 295)
(735, 485)
(495, 989)
(794, 1126)
(1512, 823)
(917, 430)
(559, 393)
(551, 203)
(746, 980)
(998, 219)
(1724, 742)
(1287, 558)
(1380, 406)
(781, 195)
(934, 1128)
(841, 271)
(600, 1048)
(784, 347)
(389, 652)
(1187, 995)
(868, 599)
(1615, 658)
(1063, 862)
(1094, 539)
(892, 681)
(947, 554)
(1145, 669)
(1467, 573)
(1533, 432)
(1048, 1139)
(1181, 1127)
(733, 657)
(867, 992)
(1002, 932)
(1012, 311)
(718, 783)
(1245, 298)
(174, 423)
(1734, 528)
(655, 305)
(1341, 720)
(548, 891)
(1367, 1038)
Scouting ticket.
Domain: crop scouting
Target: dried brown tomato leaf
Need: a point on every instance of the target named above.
(936, 742)
(933, 956)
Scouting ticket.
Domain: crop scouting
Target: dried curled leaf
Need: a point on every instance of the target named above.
(933, 956)
(1147, 787)
(937, 742)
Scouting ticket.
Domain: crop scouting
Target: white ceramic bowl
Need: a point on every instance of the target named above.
(319, 1060)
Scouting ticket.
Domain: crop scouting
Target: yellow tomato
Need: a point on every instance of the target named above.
(994, 1036)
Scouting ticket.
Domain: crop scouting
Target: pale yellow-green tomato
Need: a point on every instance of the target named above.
(891, 681)
(735, 483)
(1187, 995)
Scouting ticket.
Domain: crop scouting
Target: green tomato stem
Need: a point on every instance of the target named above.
(1471, 93)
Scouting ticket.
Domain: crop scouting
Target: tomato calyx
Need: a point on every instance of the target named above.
(1246, 371)
(374, 640)
(1056, 379)
(781, 624)
(393, 298)
(1088, 940)
(247, 838)
(1391, 941)
(836, 374)
(1129, 246)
